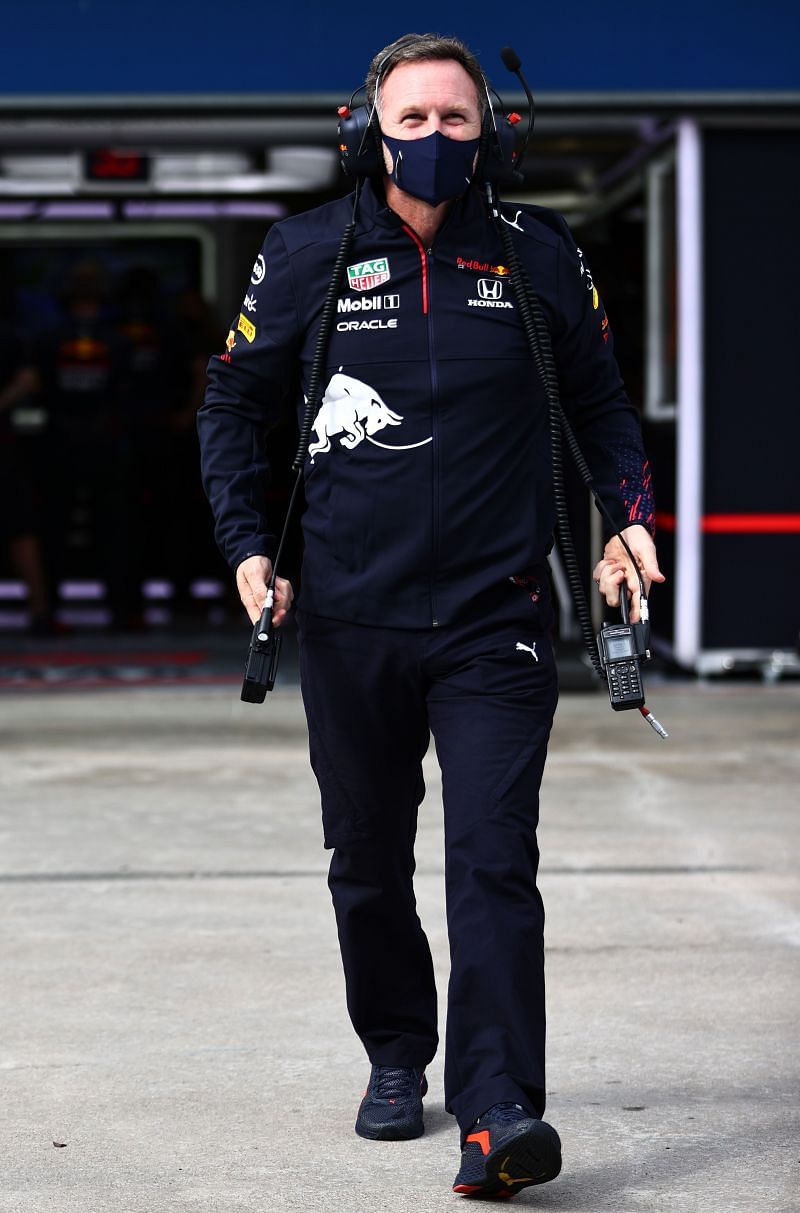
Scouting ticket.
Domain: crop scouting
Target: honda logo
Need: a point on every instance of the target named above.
(490, 288)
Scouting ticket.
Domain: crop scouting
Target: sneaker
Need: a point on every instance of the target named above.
(391, 1109)
(505, 1150)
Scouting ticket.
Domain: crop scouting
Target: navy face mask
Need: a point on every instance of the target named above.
(435, 168)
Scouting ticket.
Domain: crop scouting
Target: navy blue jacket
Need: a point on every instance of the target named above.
(428, 480)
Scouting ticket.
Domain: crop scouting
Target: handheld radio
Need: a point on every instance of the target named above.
(262, 657)
(623, 647)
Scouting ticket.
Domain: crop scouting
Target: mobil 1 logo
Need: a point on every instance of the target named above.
(370, 303)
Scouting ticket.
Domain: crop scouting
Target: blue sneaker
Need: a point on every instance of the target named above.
(506, 1150)
(391, 1109)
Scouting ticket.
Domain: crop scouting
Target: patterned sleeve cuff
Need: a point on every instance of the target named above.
(636, 490)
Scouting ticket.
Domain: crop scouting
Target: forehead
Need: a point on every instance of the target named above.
(433, 81)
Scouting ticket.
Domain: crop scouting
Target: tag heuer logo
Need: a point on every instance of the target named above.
(366, 275)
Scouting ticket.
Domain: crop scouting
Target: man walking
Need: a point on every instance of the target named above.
(424, 605)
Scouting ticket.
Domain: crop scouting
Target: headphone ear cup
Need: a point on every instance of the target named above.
(508, 146)
(498, 150)
(360, 146)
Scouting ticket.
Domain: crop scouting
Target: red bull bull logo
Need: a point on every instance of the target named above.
(354, 410)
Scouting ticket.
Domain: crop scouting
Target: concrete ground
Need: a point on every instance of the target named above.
(173, 1033)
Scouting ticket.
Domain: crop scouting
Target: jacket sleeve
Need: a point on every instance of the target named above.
(250, 389)
(593, 394)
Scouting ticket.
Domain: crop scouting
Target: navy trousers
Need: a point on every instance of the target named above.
(486, 688)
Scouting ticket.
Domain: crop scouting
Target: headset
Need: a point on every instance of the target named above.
(502, 146)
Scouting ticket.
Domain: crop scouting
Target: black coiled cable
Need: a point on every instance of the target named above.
(324, 336)
(538, 337)
(317, 369)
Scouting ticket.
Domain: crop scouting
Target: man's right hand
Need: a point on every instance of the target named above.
(252, 577)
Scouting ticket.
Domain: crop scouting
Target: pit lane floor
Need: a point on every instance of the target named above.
(173, 1033)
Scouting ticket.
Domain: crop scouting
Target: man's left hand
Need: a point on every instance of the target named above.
(615, 567)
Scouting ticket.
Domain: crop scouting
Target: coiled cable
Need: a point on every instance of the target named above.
(537, 335)
(317, 368)
(324, 336)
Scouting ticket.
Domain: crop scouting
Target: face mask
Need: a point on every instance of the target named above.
(435, 168)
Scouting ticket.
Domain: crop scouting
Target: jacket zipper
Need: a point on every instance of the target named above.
(425, 257)
(423, 262)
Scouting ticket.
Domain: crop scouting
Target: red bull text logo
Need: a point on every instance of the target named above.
(482, 267)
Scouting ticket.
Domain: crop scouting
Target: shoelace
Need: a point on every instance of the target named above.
(505, 1113)
(395, 1083)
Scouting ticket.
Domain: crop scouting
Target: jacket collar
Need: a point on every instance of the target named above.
(467, 216)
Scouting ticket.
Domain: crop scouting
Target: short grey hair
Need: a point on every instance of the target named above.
(422, 48)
